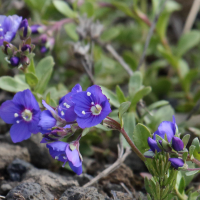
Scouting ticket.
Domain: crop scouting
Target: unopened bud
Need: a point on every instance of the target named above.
(25, 61)
(24, 30)
(43, 49)
(176, 162)
(8, 49)
(14, 61)
(36, 29)
(26, 48)
(177, 144)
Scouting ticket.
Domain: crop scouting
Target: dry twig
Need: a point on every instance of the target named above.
(121, 157)
(192, 15)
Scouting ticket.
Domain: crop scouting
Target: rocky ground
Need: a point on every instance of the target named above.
(27, 172)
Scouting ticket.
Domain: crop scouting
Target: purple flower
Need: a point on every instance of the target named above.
(177, 144)
(176, 162)
(8, 27)
(62, 152)
(49, 118)
(66, 106)
(165, 127)
(23, 112)
(91, 106)
(14, 61)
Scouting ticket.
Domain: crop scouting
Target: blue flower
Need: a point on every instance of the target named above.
(49, 118)
(165, 127)
(23, 112)
(66, 105)
(176, 162)
(91, 106)
(62, 152)
(8, 27)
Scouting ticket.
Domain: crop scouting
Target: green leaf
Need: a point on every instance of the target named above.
(187, 42)
(31, 67)
(71, 31)
(139, 95)
(102, 127)
(195, 142)
(12, 84)
(158, 104)
(192, 173)
(120, 94)
(110, 34)
(64, 9)
(135, 82)
(189, 78)
(123, 7)
(181, 185)
(130, 59)
(129, 126)
(31, 79)
(191, 151)
(140, 136)
(122, 109)
(185, 139)
(111, 96)
(44, 70)
(87, 8)
(85, 131)
(184, 156)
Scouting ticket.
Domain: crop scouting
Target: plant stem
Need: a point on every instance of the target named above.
(135, 149)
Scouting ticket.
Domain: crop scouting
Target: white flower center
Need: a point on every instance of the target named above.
(88, 94)
(27, 115)
(96, 110)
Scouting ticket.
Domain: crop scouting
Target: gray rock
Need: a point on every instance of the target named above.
(29, 191)
(17, 168)
(40, 156)
(9, 152)
(52, 182)
(6, 186)
(78, 193)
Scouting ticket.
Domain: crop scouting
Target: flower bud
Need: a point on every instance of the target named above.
(14, 61)
(177, 144)
(24, 30)
(26, 48)
(25, 61)
(43, 49)
(36, 29)
(153, 145)
(8, 49)
(176, 162)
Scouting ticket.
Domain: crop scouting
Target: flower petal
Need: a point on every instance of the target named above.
(73, 156)
(26, 99)
(166, 127)
(20, 132)
(176, 162)
(58, 146)
(77, 170)
(47, 121)
(7, 111)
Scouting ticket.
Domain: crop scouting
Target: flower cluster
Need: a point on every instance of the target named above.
(165, 138)
(77, 109)
(8, 29)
